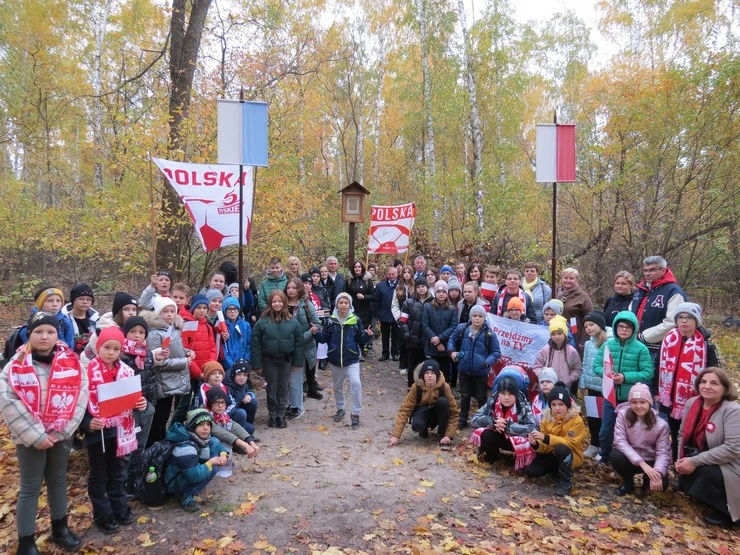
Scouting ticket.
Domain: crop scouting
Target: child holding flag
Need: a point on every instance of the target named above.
(108, 452)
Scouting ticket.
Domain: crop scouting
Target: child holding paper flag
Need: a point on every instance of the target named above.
(115, 392)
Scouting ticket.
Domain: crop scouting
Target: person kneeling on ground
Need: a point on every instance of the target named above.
(559, 443)
(195, 459)
(429, 404)
(505, 422)
(226, 430)
(641, 443)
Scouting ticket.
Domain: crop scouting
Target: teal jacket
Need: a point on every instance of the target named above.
(631, 358)
(279, 339)
(306, 315)
(266, 287)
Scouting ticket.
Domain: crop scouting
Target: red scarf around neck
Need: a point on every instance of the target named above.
(62, 389)
(99, 373)
(695, 425)
(522, 449)
(136, 349)
(680, 364)
(500, 309)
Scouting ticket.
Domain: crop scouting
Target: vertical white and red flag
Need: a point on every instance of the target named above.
(607, 384)
(390, 228)
(556, 153)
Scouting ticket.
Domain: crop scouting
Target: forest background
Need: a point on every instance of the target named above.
(412, 99)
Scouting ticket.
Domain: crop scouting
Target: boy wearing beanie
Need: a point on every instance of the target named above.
(559, 441)
(238, 385)
(81, 315)
(226, 430)
(547, 379)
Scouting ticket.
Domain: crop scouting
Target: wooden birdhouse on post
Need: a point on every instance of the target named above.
(353, 212)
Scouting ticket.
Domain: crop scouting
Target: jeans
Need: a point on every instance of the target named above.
(606, 434)
(389, 334)
(471, 386)
(276, 372)
(34, 466)
(431, 416)
(295, 399)
(239, 415)
(194, 489)
(351, 373)
(105, 482)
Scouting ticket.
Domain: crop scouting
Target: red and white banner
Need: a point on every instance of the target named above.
(210, 193)
(117, 397)
(607, 383)
(520, 343)
(390, 228)
(556, 153)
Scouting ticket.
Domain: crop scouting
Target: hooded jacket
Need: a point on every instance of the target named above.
(92, 317)
(266, 287)
(187, 464)
(655, 306)
(631, 358)
(173, 377)
(429, 396)
(202, 342)
(437, 321)
(306, 315)
(239, 343)
(344, 338)
(588, 379)
(476, 355)
(565, 361)
(570, 431)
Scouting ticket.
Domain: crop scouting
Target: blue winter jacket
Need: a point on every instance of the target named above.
(186, 466)
(438, 322)
(238, 345)
(345, 339)
(66, 330)
(476, 354)
(384, 297)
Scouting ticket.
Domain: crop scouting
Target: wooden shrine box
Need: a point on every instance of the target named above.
(353, 203)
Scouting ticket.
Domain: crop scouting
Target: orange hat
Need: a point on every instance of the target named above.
(210, 367)
(515, 302)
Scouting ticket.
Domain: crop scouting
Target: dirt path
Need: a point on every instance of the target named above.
(320, 487)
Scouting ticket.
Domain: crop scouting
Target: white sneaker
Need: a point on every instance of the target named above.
(402, 371)
(597, 457)
(591, 452)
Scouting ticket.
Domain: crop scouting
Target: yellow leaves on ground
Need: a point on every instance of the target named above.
(145, 540)
(398, 462)
(427, 484)
(280, 510)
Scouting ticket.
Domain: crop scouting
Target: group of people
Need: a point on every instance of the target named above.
(194, 354)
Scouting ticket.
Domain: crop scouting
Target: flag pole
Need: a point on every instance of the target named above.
(554, 223)
(152, 217)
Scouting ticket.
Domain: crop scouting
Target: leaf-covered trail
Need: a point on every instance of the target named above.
(319, 487)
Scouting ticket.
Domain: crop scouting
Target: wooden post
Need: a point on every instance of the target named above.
(352, 244)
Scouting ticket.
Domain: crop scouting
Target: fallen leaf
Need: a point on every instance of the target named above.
(398, 462)
(245, 509)
(254, 497)
(280, 510)
(427, 483)
(143, 519)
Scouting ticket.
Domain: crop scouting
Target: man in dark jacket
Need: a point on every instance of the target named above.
(337, 279)
(388, 327)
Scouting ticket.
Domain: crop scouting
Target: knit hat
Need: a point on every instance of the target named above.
(478, 309)
(45, 293)
(210, 367)
(420, 281)
(233, 286)
(165, 273)
(195, 300)
(454, 283)
(428, 365)
(160, 303)
(558, 323)
(134, 321)
(692, 309)
(214, 394)
(314, 270)
(559, 393)
(597, 317)
(81, 290)
(214, 294)
(111, 333)
(556, 305)
(640, 391)
(446, 268)
(344, 296)
(508, 384)
(517, 373)
(548, 374)
(121, 299)
(196, 417)
(42, 319)
(241, 366)
(229, 302)
(515, 303)
(441, 285)
(306, 278)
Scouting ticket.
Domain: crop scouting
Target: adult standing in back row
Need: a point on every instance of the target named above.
(576, 304)
(538, 289)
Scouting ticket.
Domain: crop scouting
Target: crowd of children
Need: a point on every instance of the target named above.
(194, 354)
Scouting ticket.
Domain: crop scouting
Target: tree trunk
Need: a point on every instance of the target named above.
(186, 30)
(100, 13)
(430, 169)
(378, 111)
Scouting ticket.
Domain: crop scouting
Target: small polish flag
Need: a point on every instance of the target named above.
(488, 291)
(607, 383)
(189, 330)
(167, 338)
(115, 398)
(221, 321)
(404, 318)
(573, 325)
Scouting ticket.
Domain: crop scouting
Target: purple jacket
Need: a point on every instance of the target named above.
(639, 444)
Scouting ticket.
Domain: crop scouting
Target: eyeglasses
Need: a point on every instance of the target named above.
(684, 317)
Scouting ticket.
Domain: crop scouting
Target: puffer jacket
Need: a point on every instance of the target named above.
(437, 321)
(411, 329)
(187, 464)
(363, 308)
(570, 431)
(344, 339)
(588, 379)
(632, 359)
(239, 343)
(476, 355)
(525, 418)
(429, 396)
(266, 287)
(278, 339)
(202, 342)
(639, 444)
(173, 377)
(306, 315)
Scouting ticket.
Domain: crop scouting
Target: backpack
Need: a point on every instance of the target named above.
(12, 344)
(157, 455)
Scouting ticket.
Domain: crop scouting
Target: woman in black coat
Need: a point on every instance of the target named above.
(360, 287)
(624, 289)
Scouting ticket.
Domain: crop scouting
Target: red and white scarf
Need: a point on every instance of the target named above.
(538, 407)
(99, 373)
(62, 389)
(680, 363)
(136, 349)
(501, 308)
(223, 420)
(204, 388)
(522, 449)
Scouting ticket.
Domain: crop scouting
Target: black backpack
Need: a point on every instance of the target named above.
(157, 456)
(12, 344)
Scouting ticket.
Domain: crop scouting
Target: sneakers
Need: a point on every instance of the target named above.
(383, 358)
(591, 452)
(296, 413)
(394, 357)
(403, 371)
(355, 421)
(190, 504)
(339, 415)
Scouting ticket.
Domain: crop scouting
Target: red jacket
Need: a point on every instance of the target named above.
(202, 342)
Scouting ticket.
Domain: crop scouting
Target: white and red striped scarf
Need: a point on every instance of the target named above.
(538, 406)
(693, 359)
(488, 291)
(522, 449)
(99, 373)
(62, 390)
(136, 349)
(501, 308)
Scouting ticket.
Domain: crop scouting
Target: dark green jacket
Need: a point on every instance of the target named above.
(266, 287)
(280, 339)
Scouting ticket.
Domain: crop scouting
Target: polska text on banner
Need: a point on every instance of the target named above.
(390, 228)
(210, 194)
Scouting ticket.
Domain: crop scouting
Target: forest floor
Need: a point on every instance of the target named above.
(319, 487)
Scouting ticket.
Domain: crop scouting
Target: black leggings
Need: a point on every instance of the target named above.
(491, 442)
(548, 463)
